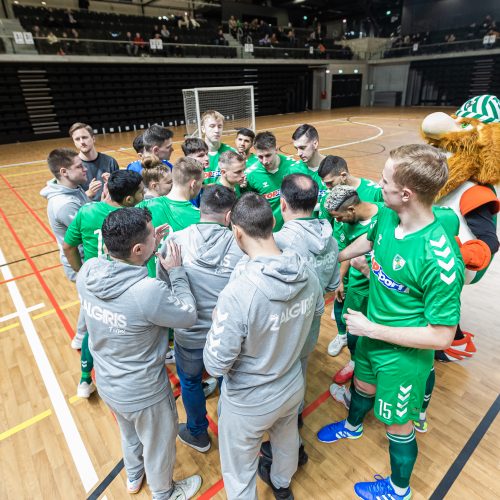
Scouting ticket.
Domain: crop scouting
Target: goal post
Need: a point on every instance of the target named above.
(236, 104)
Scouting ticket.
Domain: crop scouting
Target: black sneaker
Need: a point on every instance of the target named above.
(199, 443)
(264, 472)
(266, 453)
(300, 421)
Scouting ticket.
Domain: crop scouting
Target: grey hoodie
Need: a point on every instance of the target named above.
(261, 323)
(312, 239)
(128, 316)
(64, 203)
(209, 254)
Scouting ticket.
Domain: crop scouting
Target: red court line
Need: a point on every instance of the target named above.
(30, 274)
(213, 426)
(15, 214)
(42, 282)
(33, 213)
(39, 244)
(316, 403)
(213, 490)
(329, 301)
(172, 376)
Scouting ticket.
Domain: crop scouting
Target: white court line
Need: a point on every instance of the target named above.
(28, 309)
(380, 132)
(74, 441)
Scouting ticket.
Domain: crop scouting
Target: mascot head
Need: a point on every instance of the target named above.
(471, 137)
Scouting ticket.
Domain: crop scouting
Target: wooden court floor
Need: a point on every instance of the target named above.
(53, 445)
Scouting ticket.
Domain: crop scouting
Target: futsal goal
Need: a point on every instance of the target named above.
(236, 104)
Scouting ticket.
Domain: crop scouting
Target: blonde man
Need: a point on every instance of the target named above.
(232, 171)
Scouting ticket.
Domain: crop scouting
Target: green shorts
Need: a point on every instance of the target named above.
(400, 374)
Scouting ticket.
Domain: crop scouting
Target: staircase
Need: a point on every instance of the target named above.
(482, 76)
(38, 101)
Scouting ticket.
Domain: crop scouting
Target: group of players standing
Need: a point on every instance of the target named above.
(240, 277)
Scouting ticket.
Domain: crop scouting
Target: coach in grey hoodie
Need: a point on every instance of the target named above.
(311, 238)
(65, 196)
(127, 315)
(261, 323)
(209, 255)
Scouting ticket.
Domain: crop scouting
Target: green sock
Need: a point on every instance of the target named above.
(339, 319)
(403, 451)
(86, 360)
(361, 404)
(352, 340)
(429, 387)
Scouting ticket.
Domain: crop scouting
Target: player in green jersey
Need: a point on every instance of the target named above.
(244, 142)
(353, 218)
(125, 189)
(333, 171)
(212, 125)
(306, 142)
(416, 279)
(176, 209)
(266, 174)
(232, 171)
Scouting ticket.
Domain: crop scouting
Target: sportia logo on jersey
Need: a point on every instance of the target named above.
(272, 194)
(385, 280)
(212, 174)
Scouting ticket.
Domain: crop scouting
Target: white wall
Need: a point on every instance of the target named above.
(388, 77)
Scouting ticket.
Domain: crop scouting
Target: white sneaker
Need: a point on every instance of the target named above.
(170, 357)
(337, 344)
(341, 394)
(185, 489)
(209, 386)
(76, 342)
(134, 486)
(85, 389)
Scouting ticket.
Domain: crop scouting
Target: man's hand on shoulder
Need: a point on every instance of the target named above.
(173, 257)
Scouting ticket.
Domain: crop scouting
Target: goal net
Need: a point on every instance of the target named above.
(235, 103)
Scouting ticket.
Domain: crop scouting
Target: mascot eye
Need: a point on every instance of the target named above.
(465, 125)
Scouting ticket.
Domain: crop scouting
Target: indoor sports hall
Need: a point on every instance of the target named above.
(364, 74)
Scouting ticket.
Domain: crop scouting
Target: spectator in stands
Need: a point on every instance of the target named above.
(233, 26)
(155, 31)
(178, 50)
(273, 41)
(69, 19)
(292, 41)
(53, 42)
(450, 38)
(219, 39)
(265, 41)
(165, 34)
(37, 38)
(130, 46)
(155, 51)
(98, 165)
(139, 42)
(487, 25)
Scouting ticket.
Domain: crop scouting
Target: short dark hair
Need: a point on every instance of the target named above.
(308, 130)
(254, 215)
(193, 145)
(265, 140)
(155, 135)
(332, 165)
(246, 132)
(60, 158)
(217, 200)
(124, 228)
(123, 183)
(138, 144)
(300, 192)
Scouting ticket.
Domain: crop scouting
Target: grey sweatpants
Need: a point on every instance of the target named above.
(240, 437)
(311, 341)
(148, 444)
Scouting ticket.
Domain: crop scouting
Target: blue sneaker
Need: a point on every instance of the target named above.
(333, 432)
(380, 489)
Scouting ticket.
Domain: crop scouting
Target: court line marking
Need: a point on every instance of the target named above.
(15, 315)
(27, 275)
(121, 150)
(74, 440)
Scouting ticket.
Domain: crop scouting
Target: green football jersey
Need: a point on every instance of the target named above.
(237, 189)
(85, 228)
(347, 233)
(268, 185)
(416, 279)
(212, 172)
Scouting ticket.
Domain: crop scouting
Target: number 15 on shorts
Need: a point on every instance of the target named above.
(385, 409)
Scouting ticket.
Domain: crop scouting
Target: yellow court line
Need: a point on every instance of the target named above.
(41, 315)
(32, 421)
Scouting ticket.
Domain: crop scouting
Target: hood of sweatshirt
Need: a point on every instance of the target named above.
(281, 277)
(53, 189)
(208, 245)
(108, 279)
(318, 233)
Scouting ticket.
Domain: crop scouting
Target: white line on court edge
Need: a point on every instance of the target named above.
(380, 132)
(74, 441)
(28, 309)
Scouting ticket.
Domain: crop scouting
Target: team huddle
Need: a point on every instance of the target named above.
(219, 263)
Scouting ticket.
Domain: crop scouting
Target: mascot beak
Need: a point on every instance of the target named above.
(438, 124)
